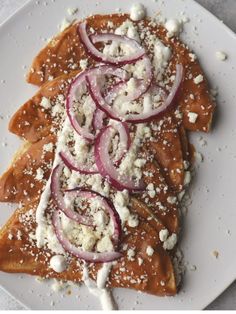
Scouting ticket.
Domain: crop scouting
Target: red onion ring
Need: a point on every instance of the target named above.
(168, 103)
(77, 84)
(114, 91)
(99, 100)
(99, 115)
(73, 250)
(106, 167)
(123, 129)
(106, 204)
(88, 43)
(70, 162)
(59, 200)
(141, 117)
(98, 118)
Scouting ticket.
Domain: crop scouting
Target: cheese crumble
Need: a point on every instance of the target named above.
(192, 117)
(198, 79)
(220, 55)
(137, 12)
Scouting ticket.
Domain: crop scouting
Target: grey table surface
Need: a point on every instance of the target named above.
(224, 10)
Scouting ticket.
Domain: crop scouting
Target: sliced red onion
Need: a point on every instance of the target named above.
(140, 117)
(88, 43)
(98, 118)
(124, 144)
(77, 85)
(168, 103)
(114, 91)
(106, 167)
(111, 94)
(123, 129)
(75, 251)
(72, 164)
(59, 199)
(106, 204)
(99, 100)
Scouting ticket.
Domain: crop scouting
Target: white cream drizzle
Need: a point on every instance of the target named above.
(98, 288)
(45, 196)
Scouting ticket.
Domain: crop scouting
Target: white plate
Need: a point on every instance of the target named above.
(212, 212)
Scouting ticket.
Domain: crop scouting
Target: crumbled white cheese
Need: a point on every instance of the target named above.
(132, 33)
(192, 117)
(131, 86)
(163, 235)
(67, 172)
(214, 92)
(130, 254)
(83, 64)
(111, 49)
(198, 157)
(173, 26)
(192, 56)
(162, 52)
(100, 218)
(193, 267)
(122, 198)
(105, 244)
(10, 236)
(57, 109)
(60, 98)
(72, 11)
(18, 235)
(39, 174)
(110, 24)
(137, 12)
(170, 242)
(123, 212)
(162, 55)
(48, 147)
(89, 240)
(186, 164)
(152, 193)
(128, 29)
(171, 199)
(220, 55)
(187, 178)
(151, 190)
(150, 186)
(133, 221)
(140, 261)
(140, 162)
(149, 250)
(191, 96)
(45, 103)
(64, 24)
(198, 79)
(58, 263)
